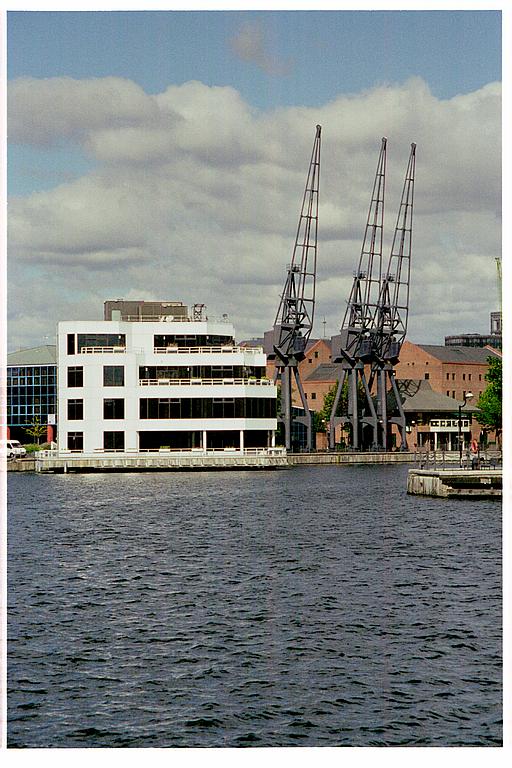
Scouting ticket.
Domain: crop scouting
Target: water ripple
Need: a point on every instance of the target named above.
(251, 609)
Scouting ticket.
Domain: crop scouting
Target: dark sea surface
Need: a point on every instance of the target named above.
(308, 607)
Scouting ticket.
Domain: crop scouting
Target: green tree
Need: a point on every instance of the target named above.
(490, 401)
(322, 417)
(36, 430)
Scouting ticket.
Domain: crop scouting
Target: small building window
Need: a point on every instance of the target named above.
(313, 395)
(453, 377)
(113, 375)
(71, 344)
(447, 393)
(113, 441)
(113, 408)
(469, 376)
(447, 377)
(75, 410)
(453, 393)
(463, 377)
(75, 441)
(479, 377)
(310, 359)
(427, 376)
(316, 354)
(76, 376)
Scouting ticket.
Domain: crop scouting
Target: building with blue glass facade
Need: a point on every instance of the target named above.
(32, 391)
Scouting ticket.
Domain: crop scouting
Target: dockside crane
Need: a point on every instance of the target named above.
(392, 311)
(286, 343)
(353, 346)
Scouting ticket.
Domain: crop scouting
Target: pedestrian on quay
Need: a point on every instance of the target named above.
(473, 452)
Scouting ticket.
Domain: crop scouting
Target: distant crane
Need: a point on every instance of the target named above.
(375, 321)
(286, 343)
(352, 347)
(498, 269)
(393, 310)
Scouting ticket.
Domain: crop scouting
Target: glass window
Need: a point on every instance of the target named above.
(71, 344)
(101, 340)
(113, 375)
(75, 441)
(75, 409)
(113, 408)
(113, 441)
(427, 376)
(76, 376)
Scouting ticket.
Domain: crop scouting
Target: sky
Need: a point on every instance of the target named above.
(163, 156)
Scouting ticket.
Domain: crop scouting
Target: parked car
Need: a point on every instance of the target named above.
(14, 449)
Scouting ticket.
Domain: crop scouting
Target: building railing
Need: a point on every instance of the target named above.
(99, 350)
(175, 350)
(205, 382)
(225, 349)
(172, 319)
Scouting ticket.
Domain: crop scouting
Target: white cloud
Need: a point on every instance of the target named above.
(195, 196)
(250, 45)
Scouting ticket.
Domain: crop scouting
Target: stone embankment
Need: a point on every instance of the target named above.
(21, 465)
(455, 483)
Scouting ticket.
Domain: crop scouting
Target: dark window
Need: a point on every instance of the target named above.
(453, 377)
(75, 441)
(113, 409)
(453, 393)
(469, 376)
(313, 395)
(207, 408)
(448, 393)
(71, 343)
(316, 354)
(463, 377)
(75, 409)
(101, 340)
(447, 376)
(113, 375)
(76, 376)
(113, 441)
(427, 376)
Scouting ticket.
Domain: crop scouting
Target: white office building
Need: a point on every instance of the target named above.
(161, 384)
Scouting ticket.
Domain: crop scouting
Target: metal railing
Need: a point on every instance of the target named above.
(226, 349)
(441, 459)
(99, 350)
(64, 453)
(172, 319)
(205, 382)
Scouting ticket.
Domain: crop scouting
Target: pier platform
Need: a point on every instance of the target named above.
(49, 461)
(455, 483)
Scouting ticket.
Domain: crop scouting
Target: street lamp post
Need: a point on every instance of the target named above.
(467, 397)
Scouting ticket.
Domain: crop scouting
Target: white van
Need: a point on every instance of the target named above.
(15, 449)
